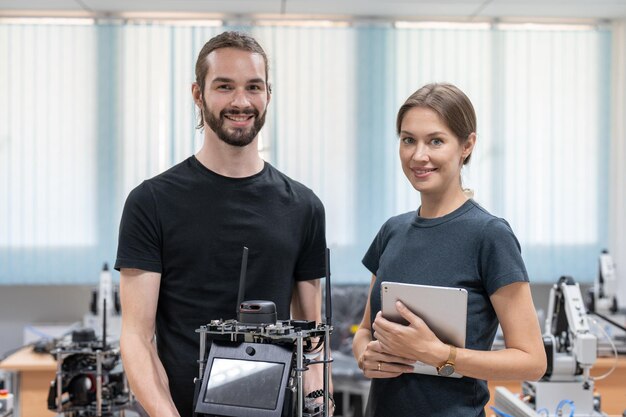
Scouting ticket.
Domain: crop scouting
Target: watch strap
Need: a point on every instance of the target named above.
(447, 368)
(452, 355)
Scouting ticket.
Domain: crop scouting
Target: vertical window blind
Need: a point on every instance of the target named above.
(89, 111)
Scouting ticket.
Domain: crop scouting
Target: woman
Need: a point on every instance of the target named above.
(450, 241)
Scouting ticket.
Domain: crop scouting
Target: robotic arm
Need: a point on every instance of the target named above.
(570, 346)
(571, 351)
(603, 296)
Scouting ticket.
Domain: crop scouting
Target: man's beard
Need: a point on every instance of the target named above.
(238, 136)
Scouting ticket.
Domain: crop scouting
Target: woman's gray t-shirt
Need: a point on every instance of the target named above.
(468, 248)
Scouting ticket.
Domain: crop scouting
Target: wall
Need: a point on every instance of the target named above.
(24, 305)
(617, 187)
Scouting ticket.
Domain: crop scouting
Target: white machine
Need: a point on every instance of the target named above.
(571, 351)
(6, 403)
(105, 306)
(605, 286)
(603, 303)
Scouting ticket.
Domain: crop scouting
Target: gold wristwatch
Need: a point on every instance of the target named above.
(447, 368)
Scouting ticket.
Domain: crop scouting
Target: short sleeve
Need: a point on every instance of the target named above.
(371, 259)
(500, 256)
(311, 262)
(139, 244)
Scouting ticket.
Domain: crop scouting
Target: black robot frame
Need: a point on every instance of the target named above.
(89, 380)
(271, 357)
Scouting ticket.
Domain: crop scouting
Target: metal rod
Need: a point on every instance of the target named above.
(99, 383)
(329, 319)
(326, 371)
(131, 397)
(603, 317)
(104, 323)
(202, 351)
(242, 279)
(329, 305)
(300, 366)
(59, 381)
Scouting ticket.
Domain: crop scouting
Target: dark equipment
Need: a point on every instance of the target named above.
(254, 366)
(90, 381)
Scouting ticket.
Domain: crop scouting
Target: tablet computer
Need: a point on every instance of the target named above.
(444, 309)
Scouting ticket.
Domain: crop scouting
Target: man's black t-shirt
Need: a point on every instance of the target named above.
(191, 224)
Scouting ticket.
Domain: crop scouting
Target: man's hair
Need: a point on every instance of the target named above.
(230, 39)
(450, 103)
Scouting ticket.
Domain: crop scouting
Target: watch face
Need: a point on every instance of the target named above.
(446, 370)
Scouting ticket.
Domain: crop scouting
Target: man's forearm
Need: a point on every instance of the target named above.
(147, 377)
(307, 305)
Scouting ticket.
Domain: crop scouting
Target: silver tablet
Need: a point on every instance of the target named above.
(444, 309)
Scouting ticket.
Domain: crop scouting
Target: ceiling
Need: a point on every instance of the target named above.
(355, 9)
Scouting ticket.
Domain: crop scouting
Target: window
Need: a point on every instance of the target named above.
(89, 111)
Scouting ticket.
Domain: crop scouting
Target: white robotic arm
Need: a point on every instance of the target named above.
(605, 286)
(571, 349)
(570, 345)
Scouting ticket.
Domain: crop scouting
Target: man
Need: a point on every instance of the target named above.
(182, 234)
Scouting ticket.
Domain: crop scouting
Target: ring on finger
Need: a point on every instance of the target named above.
(379, 366)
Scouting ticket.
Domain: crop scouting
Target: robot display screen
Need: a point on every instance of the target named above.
(236, 382)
